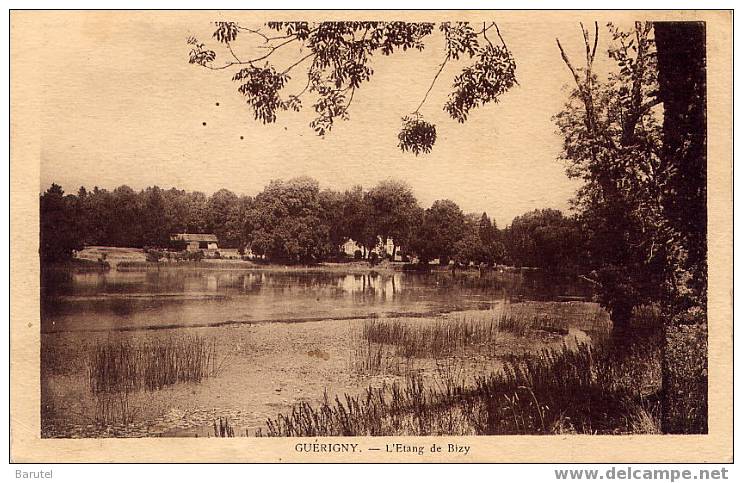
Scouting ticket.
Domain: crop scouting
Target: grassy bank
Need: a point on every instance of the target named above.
(585, 390)
(138, 266)
(77, 265)
(350, 267)
(605, 388)
(481, 331)
(116, 379)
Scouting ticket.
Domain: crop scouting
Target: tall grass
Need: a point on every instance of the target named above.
(129, 365)
(557, 391)
(553, 317)
(371, 359)
(438, 338)
(444, 337)
(115, 408)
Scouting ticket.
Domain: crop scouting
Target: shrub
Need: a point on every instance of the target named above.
(196, 256)
(154, 256)
(685, 411)
(357, 255)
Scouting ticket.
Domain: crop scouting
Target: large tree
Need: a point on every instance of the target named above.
(682, 84)
(544, 239)
(494, 250)
(358, 219)
(332, 213)
(219, 210)
(613, 141)
(59, 232)
(472, 247)
(394, 209)
(126, 228)
(154, 227)
(645, 195)
(442, 226)
(238, 229)
(287, 222)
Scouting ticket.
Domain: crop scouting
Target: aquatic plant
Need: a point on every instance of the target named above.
(420, 339)
(445, 336)
(223, 428)
(127, 365)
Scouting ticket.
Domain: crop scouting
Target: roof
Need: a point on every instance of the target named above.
(194, 237)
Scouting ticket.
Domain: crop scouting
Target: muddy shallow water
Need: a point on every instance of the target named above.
(265, 367)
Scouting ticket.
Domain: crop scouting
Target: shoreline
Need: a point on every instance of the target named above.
(237, 323)
(239, 265)
(123, 259)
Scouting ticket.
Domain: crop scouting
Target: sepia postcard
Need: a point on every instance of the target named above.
(371, 236)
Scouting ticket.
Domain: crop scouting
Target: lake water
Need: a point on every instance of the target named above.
(114, 301)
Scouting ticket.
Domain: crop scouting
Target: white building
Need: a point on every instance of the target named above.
(382, 249)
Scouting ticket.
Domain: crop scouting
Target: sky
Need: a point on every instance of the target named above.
(121, 105)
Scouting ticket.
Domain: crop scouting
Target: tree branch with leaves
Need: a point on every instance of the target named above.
(339, 54)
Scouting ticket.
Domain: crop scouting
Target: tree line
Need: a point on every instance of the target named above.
(296, 221)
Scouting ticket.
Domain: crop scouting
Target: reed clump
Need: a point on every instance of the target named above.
(129, 365)
(433, 339)
(372, 359)
(446, 336)
(223, 428)
(115, 408)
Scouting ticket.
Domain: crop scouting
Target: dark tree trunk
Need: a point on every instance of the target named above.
(681, 50)
(621, 315)
(682, 80)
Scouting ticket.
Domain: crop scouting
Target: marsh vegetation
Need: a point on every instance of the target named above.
(581, 387)
(513, 368)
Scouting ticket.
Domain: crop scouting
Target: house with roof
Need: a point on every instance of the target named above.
(197, 241)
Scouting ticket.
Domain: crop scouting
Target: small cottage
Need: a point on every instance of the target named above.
(197, 241)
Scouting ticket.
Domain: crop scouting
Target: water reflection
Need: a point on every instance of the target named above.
(371, 286)
(126, 300)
